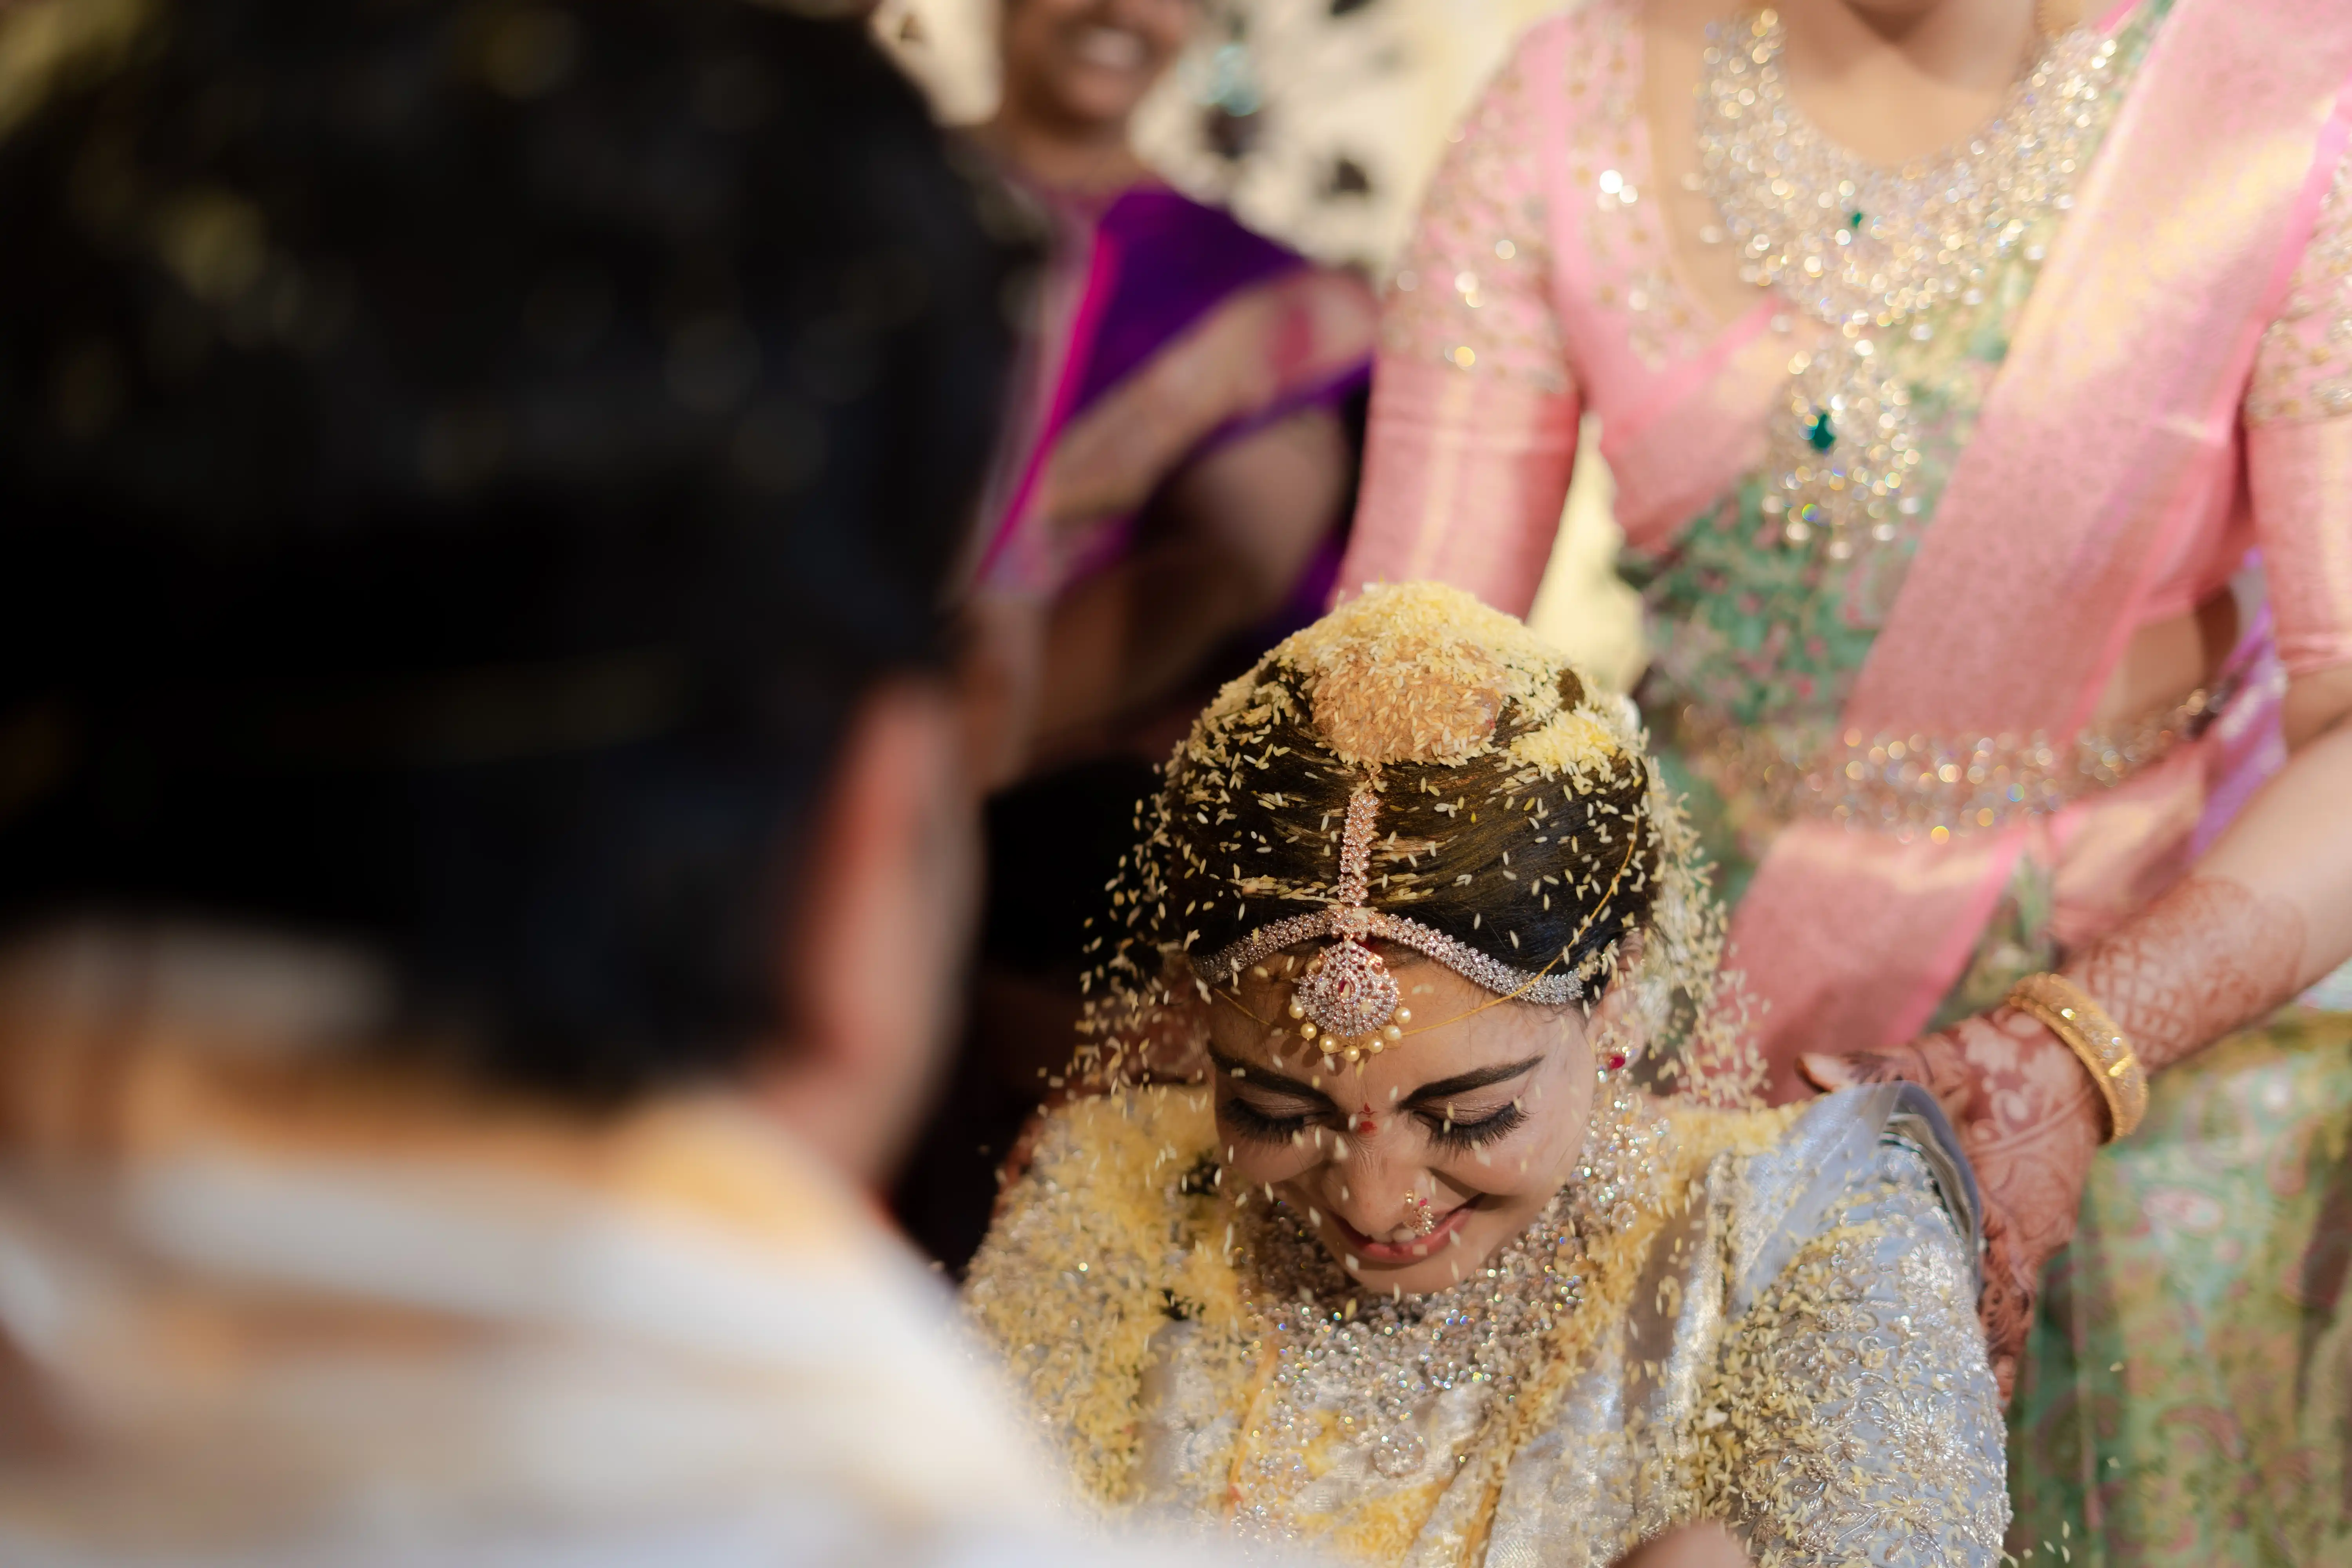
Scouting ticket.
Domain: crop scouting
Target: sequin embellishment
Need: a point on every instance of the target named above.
(1377, 1362)
(1874, 252)
(2304, 370)
(1380, 1364)
(1920, 786)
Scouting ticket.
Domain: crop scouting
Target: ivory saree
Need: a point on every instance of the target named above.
(1892, 757)
(1781, 1334)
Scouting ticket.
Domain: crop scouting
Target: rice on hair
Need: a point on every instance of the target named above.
(1518, 816)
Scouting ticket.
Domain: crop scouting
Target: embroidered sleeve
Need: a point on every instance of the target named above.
(1472, 433)
(1474, 290)
(2299, 447)
(1855, 1417)
(2303, 369)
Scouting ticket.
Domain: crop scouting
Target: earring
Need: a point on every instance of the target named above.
(1613, 1052)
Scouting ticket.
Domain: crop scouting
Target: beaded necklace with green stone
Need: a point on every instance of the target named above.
(1876, 252)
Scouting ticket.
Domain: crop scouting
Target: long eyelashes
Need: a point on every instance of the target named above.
(1448, 1133)
(1247, 1122)
(1251, 1123)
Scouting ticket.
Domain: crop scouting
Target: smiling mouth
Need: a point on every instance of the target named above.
(1112, 48)
(1364, 1249)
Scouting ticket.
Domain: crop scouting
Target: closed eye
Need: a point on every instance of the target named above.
(1450, 1133)
(1265, 1127)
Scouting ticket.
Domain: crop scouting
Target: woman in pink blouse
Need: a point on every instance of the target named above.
(1957, 362)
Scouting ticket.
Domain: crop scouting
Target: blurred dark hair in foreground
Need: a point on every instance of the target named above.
(460, 464)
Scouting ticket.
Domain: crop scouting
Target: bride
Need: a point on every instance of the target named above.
(1414, 1217)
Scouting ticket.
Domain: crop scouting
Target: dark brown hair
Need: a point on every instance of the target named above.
(410, 600)
(1539, 873)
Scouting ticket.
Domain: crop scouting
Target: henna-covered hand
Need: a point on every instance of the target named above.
(2209, 956)
(2029, 1119)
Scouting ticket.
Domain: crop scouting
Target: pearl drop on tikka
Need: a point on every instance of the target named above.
(1307, 1031)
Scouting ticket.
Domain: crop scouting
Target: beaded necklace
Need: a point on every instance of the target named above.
(1373, 1364)
(1874, 253)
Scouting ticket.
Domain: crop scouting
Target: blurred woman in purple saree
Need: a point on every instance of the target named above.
(1176, 469)
(1177, 335)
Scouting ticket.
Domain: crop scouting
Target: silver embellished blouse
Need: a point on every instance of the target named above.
(1788, 1344)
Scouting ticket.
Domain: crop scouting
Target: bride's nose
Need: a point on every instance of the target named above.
(1383, 1208)
(1373, 1193)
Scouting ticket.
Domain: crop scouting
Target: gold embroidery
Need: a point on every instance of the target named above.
(2303, 369)
(1842, 1425)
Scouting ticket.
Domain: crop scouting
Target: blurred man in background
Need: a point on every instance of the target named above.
(481, 828)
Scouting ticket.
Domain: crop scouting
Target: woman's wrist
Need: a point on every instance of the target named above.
(2075, 1020)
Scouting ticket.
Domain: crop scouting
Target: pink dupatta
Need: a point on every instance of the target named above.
(2113, 419)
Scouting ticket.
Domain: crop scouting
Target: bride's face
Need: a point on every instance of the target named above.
(1417, 1164)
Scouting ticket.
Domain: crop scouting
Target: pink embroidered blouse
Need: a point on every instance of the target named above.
(1541, 285)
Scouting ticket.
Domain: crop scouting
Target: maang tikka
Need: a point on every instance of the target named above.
(1348, 1001)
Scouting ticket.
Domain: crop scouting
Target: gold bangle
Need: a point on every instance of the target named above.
(2066, 1010)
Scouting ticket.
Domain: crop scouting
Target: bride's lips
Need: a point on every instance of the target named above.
(1367, 1250)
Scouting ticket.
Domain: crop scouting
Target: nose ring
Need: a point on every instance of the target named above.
(1416, 1211)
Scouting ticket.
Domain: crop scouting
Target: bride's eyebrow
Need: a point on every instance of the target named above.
(1266, 1078)
(1445, 1088)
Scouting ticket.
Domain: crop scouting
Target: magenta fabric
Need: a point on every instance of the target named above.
(1158, 263)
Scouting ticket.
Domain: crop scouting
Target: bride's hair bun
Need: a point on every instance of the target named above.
(1513, 799)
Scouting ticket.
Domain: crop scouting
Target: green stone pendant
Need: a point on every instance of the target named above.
(1821, 435)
